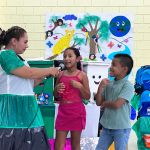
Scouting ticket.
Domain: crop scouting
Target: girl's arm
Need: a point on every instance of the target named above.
(59, 87)
(56, 88)
(85, 90)
(34, 73)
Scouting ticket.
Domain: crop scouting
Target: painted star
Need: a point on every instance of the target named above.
(103, 57)
(55, 37)
(49, 44)
(111, 44)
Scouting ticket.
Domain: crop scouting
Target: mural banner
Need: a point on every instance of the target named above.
(98, 37)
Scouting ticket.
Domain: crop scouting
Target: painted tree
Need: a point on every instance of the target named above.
(77, 41)
(95, 28)
(56, 22)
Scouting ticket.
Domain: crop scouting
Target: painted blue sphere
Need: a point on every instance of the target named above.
(119, 26)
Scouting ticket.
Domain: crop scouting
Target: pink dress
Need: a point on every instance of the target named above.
(71, 116)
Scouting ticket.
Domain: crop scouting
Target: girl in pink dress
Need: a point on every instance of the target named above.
(71, 87)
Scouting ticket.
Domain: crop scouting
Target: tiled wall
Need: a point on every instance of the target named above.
(30, 14)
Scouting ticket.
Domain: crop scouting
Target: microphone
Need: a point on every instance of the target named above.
(61, 67)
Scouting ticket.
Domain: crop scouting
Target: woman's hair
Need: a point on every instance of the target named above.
(13, 32)
(77, 53)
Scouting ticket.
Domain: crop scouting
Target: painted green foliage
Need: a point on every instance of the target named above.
(95, 28)
(78, 41)
(93, 31)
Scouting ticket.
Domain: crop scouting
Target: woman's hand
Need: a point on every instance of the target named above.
(54, 71)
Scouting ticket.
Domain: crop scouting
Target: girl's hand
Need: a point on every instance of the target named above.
(60, 87)
(76, 84)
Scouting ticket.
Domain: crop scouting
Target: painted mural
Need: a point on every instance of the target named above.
(98, 37)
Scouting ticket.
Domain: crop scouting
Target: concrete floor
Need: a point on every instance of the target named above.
(132, 145)
(90, 143)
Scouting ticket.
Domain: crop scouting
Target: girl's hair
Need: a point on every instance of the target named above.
(77, 53)
(13, 32)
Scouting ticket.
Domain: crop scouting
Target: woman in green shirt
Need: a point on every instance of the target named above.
(21, 123)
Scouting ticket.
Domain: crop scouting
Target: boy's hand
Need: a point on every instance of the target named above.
(104, 82)
(76, 84)
(60, 87)
(99, 98)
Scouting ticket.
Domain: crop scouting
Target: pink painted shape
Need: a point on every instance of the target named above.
(67, 144)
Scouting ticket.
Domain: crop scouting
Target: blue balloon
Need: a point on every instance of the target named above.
(133, 113)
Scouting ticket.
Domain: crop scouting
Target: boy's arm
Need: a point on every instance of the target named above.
(125, 96)
(114, 104)
(98, 96)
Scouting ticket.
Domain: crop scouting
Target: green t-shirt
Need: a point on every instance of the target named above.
(117, 118)
(18, 106)
(9, 61)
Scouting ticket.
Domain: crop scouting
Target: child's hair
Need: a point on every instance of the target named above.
(77, 53)
(125, 60)
(13, 32)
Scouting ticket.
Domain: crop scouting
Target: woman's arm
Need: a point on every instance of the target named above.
(37, 81)
(34, 73)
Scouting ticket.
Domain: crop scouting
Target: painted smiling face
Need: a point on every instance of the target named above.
(96, 79)
(119, 26)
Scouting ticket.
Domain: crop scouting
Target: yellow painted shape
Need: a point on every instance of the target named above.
(63, 42)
